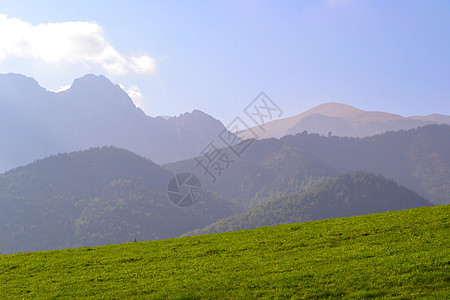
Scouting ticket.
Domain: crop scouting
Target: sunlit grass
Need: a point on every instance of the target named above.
(393, 255)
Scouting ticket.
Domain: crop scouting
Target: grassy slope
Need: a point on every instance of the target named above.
(396, 254)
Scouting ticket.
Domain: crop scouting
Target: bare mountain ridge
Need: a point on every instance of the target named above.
(36, 123)
(342, 120)
(433, 118)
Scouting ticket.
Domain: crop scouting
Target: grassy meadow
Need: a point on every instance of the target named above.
(399, 255)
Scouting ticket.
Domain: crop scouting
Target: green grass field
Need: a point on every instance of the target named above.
(400, 255)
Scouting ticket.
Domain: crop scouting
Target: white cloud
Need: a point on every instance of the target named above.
(135, 94)
(143, 64)
(62, 88)
(71, 42)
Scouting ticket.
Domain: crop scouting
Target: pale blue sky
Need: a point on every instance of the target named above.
(217, 56)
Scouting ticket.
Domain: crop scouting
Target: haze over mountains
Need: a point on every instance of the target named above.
(93, 112)
(35, 123)
(418, 159)
(342, 120)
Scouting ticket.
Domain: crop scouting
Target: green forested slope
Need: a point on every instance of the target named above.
(267, 169)
(418, 159)
(95, 197)
(347, 195)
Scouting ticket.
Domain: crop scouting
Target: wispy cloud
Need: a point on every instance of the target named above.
(134, 93)
(71, 42)
(62, 88)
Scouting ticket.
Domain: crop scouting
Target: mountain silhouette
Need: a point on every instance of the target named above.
(93, 112)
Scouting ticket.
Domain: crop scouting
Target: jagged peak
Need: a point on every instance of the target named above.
(92, 81)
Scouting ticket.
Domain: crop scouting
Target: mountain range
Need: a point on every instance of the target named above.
(93, 112)
(110, 183)
(341, 120)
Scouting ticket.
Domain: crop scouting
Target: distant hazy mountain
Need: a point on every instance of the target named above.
(35, 123)
(418, 159)
(348, 195)
(438, 119)
(342, 120)
(205, 128)
(95, 197)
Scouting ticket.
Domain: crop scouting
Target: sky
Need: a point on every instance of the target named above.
(217, 56)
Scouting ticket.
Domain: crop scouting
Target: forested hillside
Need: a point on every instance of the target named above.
(347, 195)
(107, 195)
(418, 159)
(95, 197)
(267, 169)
